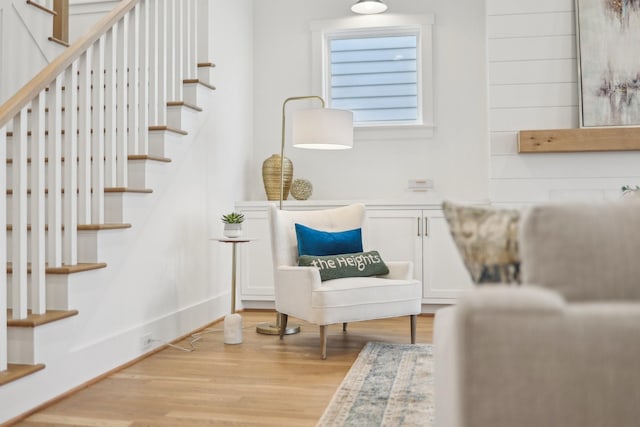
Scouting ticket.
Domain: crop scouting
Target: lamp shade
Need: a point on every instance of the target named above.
(322, 128)
(369, 7)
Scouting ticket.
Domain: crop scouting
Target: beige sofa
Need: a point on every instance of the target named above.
(563, 349)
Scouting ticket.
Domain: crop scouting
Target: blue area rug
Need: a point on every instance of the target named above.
(388, 385)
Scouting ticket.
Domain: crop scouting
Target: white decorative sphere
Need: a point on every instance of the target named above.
(301, 189)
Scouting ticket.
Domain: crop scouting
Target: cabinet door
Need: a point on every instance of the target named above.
(255, 266)
(396, 234)
(444, 273)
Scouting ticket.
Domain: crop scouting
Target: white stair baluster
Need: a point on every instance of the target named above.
(70, 169)
(193, 40)
(37, 143)
(110, 99)
(3, 253)
(134, 80)
(179, 31)
(143, 103)
(152, 37)
(84, 137)
(187, 39)
(171, 50)
(19, 217)
(122, 100)
(97, 136)
(161, 101)
(54, 173)
(202, 22)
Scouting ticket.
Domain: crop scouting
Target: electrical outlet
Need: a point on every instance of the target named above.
(420, 184)
(145, 342)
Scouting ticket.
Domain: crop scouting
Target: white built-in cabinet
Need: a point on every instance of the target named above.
(422, 236)
(400, 231)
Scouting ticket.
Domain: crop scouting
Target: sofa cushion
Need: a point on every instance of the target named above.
(585, 251)
(317, 242)
(487, 239)
(361, 264)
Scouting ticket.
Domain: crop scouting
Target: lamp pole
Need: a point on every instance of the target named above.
(284, 105)
(270, 328)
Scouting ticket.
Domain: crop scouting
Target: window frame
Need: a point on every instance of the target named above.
(379, 25)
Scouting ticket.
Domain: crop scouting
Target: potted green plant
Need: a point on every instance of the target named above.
(233, 224)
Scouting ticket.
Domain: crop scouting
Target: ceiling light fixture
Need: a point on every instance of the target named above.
(369, 7)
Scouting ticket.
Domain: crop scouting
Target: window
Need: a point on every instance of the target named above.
(380, 69)
(375, 77)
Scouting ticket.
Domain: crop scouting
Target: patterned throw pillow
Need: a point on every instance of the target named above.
(360, 264)
(487, 239)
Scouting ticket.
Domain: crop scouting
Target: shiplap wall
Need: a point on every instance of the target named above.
(533, 84)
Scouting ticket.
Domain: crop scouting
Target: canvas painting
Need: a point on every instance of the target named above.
(609, 62)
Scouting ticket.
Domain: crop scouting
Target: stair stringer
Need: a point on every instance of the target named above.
(158, 280)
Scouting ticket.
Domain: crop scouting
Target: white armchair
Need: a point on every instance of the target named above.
(299, 291)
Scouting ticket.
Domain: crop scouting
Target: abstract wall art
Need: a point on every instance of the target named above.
(608, 33)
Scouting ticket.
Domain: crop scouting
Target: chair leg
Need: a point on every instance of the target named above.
(413, 318)
(323, 341)
(283, 323)
(344, 327)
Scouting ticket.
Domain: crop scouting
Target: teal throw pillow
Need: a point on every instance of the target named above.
(360, 264)
(316, 242)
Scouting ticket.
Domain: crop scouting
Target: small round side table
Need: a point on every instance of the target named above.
(233, 321)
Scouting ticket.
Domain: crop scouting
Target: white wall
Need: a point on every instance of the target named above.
(24, 45)
(533, 85)
(83, 14)
(455, 158)
(229, 132)
(24, 33)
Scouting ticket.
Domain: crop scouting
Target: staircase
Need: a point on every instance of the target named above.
(86, 144)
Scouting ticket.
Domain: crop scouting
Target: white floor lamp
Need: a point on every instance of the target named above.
(316, 129)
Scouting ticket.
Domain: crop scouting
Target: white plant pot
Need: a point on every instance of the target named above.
(232, 230)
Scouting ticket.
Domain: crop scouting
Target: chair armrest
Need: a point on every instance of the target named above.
(402, 270)
(293, 286)
(287, 275)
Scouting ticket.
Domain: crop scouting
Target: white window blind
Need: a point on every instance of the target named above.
(375, 77)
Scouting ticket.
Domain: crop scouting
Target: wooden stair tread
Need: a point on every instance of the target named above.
(127, 190)
(168, 129)
(65, 269)
(16, 371)
(207, 85)
(83, 227)
(148, 157)
(206, 64)
(76, 268)
(34, 320)
(183, 104)
(112, 226)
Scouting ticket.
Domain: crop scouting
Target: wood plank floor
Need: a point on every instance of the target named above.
(261, 382)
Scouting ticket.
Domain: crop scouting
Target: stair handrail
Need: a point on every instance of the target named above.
(43, 79)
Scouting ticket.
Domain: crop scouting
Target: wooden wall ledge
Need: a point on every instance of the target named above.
(578, 140)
